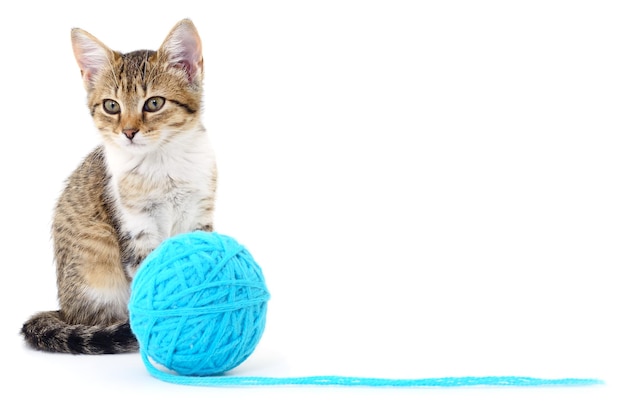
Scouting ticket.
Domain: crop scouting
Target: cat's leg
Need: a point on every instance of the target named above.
(205, 210)
(138, 245)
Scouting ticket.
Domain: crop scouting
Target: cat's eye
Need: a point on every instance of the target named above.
(153, 104)
(111, 106)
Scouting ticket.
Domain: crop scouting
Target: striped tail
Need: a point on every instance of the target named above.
(48, 332)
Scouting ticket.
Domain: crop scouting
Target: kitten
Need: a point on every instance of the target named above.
(152, 177)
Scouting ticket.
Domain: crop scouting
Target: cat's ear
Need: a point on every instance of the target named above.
(91, 55)
(183, 49)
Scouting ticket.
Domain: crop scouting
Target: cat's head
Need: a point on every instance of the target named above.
(143, 99)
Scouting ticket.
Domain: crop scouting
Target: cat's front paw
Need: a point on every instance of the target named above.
(205, 228)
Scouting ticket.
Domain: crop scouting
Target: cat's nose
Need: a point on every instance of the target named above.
(130, 133)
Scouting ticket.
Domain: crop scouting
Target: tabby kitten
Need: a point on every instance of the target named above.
(152, 177)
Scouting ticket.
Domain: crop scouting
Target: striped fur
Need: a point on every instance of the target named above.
(152, 177)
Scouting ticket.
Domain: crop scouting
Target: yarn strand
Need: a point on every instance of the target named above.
(352, 381)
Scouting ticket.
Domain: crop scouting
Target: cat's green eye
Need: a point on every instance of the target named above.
(153, 104)
(111, 106)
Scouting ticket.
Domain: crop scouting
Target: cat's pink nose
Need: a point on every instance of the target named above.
(130, 133)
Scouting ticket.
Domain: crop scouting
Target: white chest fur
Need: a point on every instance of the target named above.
(163, 192)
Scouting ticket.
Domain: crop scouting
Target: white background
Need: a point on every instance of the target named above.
(431, 188)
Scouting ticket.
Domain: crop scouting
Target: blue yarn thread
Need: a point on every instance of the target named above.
(198, 305)
(347, 381)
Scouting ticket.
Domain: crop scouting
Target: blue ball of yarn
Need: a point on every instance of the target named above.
(198, 304)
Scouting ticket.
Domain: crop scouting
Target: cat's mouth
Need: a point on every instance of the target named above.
(134, 145)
